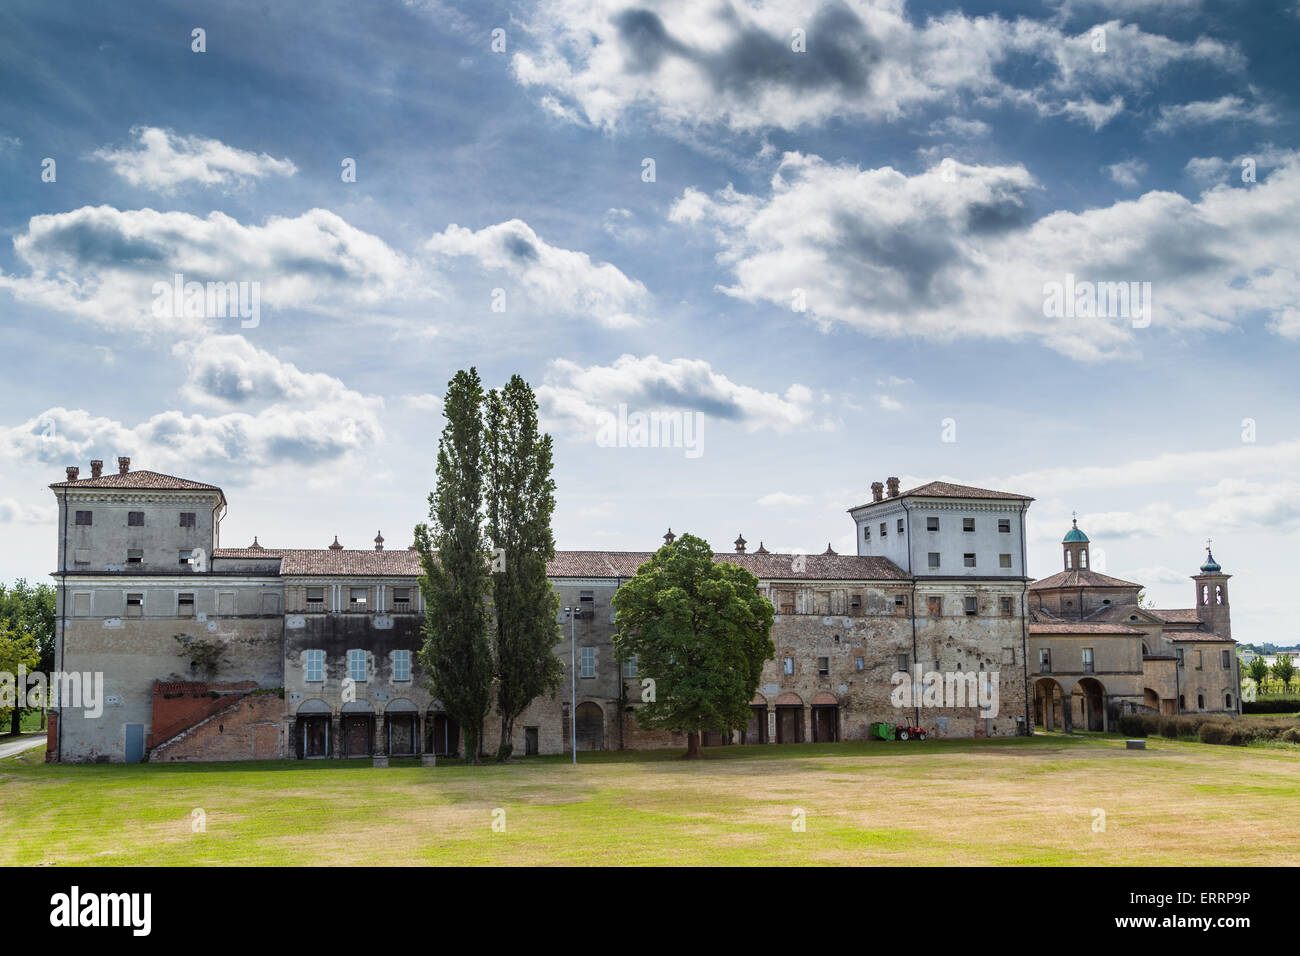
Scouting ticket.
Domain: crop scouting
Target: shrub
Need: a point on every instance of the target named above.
(1133, 725)
(1291, 735)
(1216, 732)
(1271, 705)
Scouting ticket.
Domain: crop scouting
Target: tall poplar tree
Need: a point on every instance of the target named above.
(457, 654)
(520, 500)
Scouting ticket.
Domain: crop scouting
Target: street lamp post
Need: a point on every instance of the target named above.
(573, 683)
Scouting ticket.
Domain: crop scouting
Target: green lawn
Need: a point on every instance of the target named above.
(1014, 801)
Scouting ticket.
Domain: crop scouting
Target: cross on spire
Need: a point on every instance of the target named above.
(1208, 542)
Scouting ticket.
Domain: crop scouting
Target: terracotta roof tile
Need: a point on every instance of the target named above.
(946, 489)
(1178, 615)
(1080, 579)
(150, 480)
(1082, 627)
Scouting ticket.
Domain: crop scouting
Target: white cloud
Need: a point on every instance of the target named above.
(1126, 172)
(101, 264)
(424, 402)
(693, 64)
(781, 499)
(1205, 112)
(551, 278)
(13, 511)
(575, 397)
(163, 160)
(888, 404)
(964, 255)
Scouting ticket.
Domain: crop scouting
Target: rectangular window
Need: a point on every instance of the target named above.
(859, 663)
(315, 666)
(401, 665)
(933, 559)
(1045, 660)
(823, 667)
(968, 560)
(135, 556)
(225, 602)
(787, 665)
(932, 523)
(967, 524)
(134, 605)
(934, 606)
(401, 598)
(1004, 526)
(1178, 652)
(588, 662)
(357, 598)
(884, 529)
(357, 665)
(900, 525)
(903, 663)
(972, 606)
(316, 596)
(855, 600)
(1004, 560)
(629, 667)
(587, 597)
(1198, 659)
(135, 519)
(900, 600)
(184, 556)
(1087, 660)
(1004, 605)
(1226, 659)
(185, 604)
(866, 532)
(187, 519)
(83, 517)
(81, 557)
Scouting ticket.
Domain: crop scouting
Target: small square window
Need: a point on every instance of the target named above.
(968, 560)
(932, 523)
(903, 663)
(866, 532)
(83, 517)
(823, 667)
(855, 600)
(401, 597)
(357, 598)
(135, 519)
(1004, 605)
(972, 606)
(900, 525)
(1004, 526)
(185, 556)
(357, 665)
(315, 666)
(187, 519)
(859, 663)
(900, 600)
(787, 665)
(967, 524)
(81, 557)
(185, 604)
(1004, 560)
(134, 605)
(884, 528)
(135, 556)
(934, 559)
(934, 606)
(315, 595)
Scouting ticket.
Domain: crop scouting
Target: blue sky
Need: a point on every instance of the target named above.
(915, 174)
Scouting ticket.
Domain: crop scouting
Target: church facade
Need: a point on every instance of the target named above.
(257, 652)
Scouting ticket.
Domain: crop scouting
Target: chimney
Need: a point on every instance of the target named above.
(123, 465)
(73, 471)
(336, 546)
(379, 541)
(893, 487)
(96, 467)
(740, 544)
(877, 491)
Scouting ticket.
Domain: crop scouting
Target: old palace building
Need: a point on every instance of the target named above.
(257, 652)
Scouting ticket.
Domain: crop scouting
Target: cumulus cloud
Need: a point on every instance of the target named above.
(958, 251)
(740, 65)
(1204, 112)
(782, 499)
(161, 160)
(103, 264)
(229, 371)
(1126, 172)
(551, 278)
(576, 397)
(424, 402)
(13, 511)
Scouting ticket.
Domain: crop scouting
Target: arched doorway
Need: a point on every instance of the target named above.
(1049, 705)
(789, 719)
(311, 732)
(443, 737)
(1088, 703)
(590, 726)
(1151, 699)
(357, 729)
(400, 733)
(825, 719)
(756, 732)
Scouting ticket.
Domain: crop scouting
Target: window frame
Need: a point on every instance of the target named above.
(353, 659)
(313, 656)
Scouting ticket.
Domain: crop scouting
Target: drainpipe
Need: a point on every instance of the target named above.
(63, 624)
(916, 709)
(1024, 620)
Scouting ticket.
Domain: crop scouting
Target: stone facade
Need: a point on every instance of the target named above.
(319, 647)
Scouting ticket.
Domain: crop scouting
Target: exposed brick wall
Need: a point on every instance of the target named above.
(250, 728)
(179, 705)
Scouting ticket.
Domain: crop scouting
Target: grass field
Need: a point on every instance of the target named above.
(1013, 801)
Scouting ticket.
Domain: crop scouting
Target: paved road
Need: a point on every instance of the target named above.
(11, 746)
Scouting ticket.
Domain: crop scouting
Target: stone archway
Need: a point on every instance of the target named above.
(311, 731)
(590, 726)
(1088, 704)
(357, 729)
(789, 719)
(401, 730)
(825, 719)
(1050, 711)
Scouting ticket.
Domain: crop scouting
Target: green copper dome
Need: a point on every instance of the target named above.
(1074, 534)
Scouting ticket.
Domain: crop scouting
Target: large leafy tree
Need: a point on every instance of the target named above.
(701, 632)
(30, 611)
(457, 654)
(18, 648)
(520, 499)
(1284, 670)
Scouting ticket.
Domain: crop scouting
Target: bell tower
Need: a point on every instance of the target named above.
(1075, 548)
(1212, 595)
